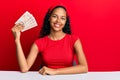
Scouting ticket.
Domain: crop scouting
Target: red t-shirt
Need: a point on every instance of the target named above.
(57, 53)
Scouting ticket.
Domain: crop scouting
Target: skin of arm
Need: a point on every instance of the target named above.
(82, 67)
(24, 63)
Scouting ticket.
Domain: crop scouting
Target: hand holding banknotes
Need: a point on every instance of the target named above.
(17, 31)
(25, 22)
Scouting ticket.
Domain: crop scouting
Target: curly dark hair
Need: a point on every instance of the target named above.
(45, 30)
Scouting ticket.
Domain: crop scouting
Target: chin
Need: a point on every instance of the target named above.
(57, 30)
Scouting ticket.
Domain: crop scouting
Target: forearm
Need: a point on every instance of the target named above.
(21, 57)
(72, 70)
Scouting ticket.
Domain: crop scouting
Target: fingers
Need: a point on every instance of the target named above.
(43, 71)
(16, 31)
(17, 27)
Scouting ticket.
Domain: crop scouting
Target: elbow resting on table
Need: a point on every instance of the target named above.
(24, 70)
(85, 69)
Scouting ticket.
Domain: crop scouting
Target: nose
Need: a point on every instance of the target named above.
(58, 20)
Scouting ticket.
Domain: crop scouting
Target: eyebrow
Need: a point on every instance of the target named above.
(61, 16)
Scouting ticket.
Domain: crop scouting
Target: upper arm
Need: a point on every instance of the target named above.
(80, 53)
(32, 55)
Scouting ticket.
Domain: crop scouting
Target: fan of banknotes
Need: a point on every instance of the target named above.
(27, 20)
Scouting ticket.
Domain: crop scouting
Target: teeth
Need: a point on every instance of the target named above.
(57, 25)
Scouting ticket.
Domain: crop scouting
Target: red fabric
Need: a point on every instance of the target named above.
(57, 54)
(58, 4)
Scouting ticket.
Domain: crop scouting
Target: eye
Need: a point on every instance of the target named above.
(54, 16)
(63, 18)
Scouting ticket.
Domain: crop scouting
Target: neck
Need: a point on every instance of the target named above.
(56, 35)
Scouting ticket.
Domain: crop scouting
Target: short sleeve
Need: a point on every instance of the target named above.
(74, 38)
(38, 43)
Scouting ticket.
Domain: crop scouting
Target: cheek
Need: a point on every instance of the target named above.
(64, 22)
(52, 20)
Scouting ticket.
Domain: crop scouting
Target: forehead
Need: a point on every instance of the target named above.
(60, 11)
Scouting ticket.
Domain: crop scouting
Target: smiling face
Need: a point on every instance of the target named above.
(58, 19)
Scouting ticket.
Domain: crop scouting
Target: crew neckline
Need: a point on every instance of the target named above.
(57, 40)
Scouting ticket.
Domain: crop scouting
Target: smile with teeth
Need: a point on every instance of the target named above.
(57, 25)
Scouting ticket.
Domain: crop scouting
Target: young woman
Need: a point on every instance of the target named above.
(56, 45)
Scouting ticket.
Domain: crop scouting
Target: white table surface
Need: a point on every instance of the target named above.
(33, 75)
